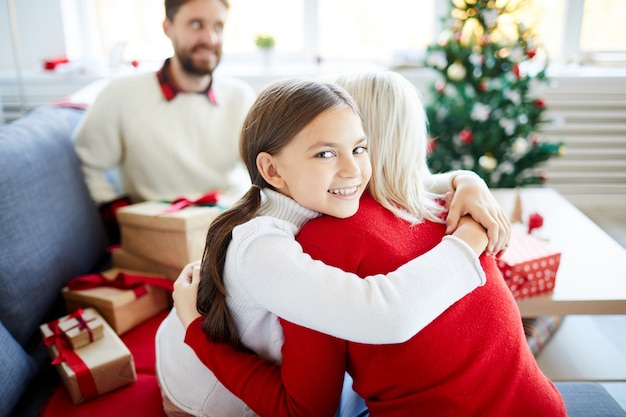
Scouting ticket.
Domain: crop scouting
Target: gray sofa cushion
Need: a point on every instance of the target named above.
(50, 230)
(16, 368)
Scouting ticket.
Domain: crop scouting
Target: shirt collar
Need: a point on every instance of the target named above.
(170, 90)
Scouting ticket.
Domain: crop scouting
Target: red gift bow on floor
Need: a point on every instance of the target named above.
(123, 280)
(86, 382)
(208, 199)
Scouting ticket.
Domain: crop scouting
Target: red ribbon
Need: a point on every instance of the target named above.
(208, 199)
(82, 323)
(86, 382)
(123, 280)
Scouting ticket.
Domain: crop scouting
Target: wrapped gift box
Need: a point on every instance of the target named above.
(81, 328)
(94, 369)
(125, 260)
(122, 308)
(529, 265)
(173, 239)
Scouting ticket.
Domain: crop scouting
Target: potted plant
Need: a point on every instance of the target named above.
(265, 43)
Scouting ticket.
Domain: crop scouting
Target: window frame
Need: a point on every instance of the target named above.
(82, 37)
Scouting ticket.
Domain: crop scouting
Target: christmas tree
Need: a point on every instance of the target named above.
(482, 114)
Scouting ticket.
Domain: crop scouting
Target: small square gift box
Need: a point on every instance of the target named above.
(165, 233)
(81, 328)
(125, 298)
(93, 369)
(529, 265)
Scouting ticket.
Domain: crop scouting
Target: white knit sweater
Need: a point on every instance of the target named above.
(164, 149)
(267, 275)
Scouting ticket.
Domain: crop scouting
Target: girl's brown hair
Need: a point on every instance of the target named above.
(279, 113)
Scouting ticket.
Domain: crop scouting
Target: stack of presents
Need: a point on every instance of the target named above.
(157, 240)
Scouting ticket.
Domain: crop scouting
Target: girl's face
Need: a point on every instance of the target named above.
(325, 167)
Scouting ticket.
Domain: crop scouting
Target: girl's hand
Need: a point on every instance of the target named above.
(472, 233)
(186, 293)
(472, 197)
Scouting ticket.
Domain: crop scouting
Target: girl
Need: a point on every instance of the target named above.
(305, 150)
(471, 360)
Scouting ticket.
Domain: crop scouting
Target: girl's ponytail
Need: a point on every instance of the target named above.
(219, 325)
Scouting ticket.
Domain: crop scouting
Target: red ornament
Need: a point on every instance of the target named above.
(535, 221)
(540, 103)
(466, 136)
(134, 63)
(482, 86)
(531, 53)
(516, 71)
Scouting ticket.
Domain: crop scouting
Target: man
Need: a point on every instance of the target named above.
(170, 134)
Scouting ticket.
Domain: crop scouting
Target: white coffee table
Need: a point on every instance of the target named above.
(591, 278)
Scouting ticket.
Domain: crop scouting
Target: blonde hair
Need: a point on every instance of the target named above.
(396, 126)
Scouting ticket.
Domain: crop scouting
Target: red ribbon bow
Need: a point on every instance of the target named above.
(535, 221)
(123, 280)
(82, 323)
(208, 199)
(86, 382)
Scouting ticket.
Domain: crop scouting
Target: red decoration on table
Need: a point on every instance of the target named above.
(529, 265)
(535, 221)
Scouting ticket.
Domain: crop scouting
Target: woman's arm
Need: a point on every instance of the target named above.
(308, 383)
(470, 195)
(279, 277)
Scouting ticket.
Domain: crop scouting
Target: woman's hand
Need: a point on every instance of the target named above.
(186, 293)
(472, 197)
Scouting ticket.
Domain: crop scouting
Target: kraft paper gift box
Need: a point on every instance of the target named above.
(123, 259)
(173, 239)
(120, 297)
(81, 328)
(529, 265)
(94, 369)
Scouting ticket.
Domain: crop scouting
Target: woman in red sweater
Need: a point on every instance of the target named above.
(471, 361)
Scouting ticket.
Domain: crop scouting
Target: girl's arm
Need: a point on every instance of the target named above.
(470, 195)
(279, 277)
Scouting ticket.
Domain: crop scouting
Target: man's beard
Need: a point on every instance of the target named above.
(189, 67)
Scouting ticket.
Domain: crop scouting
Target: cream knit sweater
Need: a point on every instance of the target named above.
(164, 149)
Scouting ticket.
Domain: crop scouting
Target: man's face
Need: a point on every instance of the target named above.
(197, 33)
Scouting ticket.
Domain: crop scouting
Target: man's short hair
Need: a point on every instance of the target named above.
(172, 6)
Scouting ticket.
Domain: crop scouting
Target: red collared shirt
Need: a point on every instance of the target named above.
(170, 90)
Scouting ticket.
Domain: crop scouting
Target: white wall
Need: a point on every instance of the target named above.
(40, 33)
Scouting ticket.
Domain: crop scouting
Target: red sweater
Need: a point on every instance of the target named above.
(472, 360)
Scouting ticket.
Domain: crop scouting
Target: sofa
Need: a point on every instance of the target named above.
(51, 231)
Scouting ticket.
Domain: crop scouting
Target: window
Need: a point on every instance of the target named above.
(602, 27)
(337, 30)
